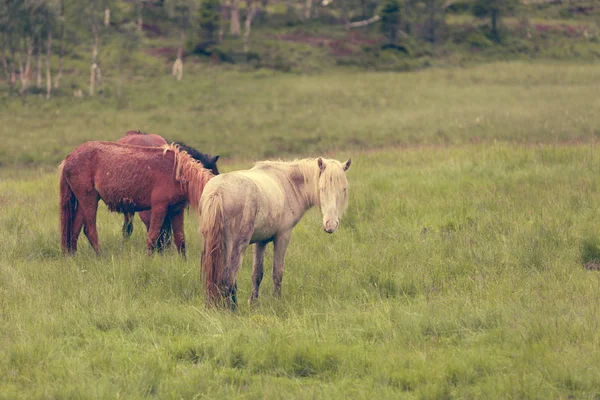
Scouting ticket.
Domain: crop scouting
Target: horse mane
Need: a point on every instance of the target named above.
(205, 159)
(308, 169)
(189, 171)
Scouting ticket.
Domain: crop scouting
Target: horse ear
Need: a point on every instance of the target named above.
(321, 164)
(215, 158)
(347, 164)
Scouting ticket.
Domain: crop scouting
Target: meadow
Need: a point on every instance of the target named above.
(458, 271)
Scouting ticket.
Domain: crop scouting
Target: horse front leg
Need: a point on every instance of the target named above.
(280, 245)
(178, 231)
(257, 270)
(159, 213)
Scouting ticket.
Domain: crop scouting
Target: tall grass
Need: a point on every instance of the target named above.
(457, 273)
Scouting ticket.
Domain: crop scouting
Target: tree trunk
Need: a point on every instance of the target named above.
(106, 16)
(494, 15)
(307, 9)
(38, 64)
(48, 68)
(9, 72)
(24, 69)
(363, 8)
(235, 19)
(250, 11)
(140, 19)
(223, 17)
(177, 70)
(62, 45)
(93, 65)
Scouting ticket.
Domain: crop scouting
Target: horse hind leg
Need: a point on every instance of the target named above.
(257, 270)
(164, 237)
(89, 216)
(127, 225)
(234, 264)
(77, 225)
(178, 231)
(159, 213)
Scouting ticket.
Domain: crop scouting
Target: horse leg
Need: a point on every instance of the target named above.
(77, 225)
(89, 215)
(257, 270)
(145, 217)
(127, 225)
(178, 231)
(159, 213)
(164, 237)
(280, 245)
(234, 264)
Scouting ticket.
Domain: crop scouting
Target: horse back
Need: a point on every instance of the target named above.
(126, 179)
(137, 138)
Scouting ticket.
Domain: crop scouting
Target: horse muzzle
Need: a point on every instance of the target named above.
(330, 226)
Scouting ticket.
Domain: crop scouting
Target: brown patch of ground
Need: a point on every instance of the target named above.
(166, 52)
(592, 265)
(568, 30)
(338, 47)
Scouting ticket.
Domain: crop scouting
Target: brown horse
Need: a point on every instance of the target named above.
(128, 179)
(138, 138)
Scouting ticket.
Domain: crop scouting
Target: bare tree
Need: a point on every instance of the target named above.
(307, 9)
(234, 11)
(181, 12)
(48, 68)
(250, 11)
(24, 68)
(11, 27)
(38, 60)
(61, 20)
(140, 16)
(91, 13)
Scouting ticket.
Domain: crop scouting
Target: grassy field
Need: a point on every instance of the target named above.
(457, 272)
(266, 114)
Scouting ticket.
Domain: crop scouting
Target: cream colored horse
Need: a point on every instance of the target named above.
(262, 205)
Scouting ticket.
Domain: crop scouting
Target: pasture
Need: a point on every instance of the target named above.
(457, 271)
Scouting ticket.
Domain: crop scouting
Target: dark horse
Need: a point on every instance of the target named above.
(138, 138)
(128, 179)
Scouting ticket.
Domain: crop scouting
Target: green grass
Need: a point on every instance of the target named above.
(265, 114)
(457, 273)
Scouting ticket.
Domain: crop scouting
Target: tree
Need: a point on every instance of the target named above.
(434, 20)
(12, 22)
(129, 40)
(234, 12)
(140, 12)
(494, 9)
(180, 12)
(250, 11)
(61, 53)
(390, 20)
(210, 20)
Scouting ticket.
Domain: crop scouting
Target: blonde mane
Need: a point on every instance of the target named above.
(190, 172)
(309, 169)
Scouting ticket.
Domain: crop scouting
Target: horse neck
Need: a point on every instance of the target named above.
(309, 191)
(192, 175)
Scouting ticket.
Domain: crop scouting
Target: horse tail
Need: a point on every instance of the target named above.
(213, 247)
(68, 205)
